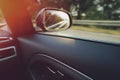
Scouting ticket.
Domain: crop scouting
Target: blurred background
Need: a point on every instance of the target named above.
(101, 16)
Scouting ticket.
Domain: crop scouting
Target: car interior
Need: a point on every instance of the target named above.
(26, 54)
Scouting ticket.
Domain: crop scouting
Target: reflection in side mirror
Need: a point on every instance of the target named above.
(53, 20)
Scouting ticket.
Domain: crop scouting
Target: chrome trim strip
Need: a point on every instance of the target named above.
(11, 47)
(6, 40)
(51, 70)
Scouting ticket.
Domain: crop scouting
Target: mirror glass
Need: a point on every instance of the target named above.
(56, 20)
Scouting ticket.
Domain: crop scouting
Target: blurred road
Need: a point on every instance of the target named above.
(101, 37)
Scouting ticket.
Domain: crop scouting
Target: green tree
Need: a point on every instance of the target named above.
(109, 8)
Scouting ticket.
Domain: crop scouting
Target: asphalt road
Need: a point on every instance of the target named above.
(100, 37)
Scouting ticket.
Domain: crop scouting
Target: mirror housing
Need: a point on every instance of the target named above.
(52, 19)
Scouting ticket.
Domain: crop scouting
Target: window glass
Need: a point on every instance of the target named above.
(4, 30)
(97, 18)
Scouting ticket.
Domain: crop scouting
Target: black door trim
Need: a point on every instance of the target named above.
(67, 69)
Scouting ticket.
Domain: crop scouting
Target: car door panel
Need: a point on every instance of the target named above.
(99, 61)
(41, 63)
(8, 58)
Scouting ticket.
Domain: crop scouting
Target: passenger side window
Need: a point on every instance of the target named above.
(97, 18)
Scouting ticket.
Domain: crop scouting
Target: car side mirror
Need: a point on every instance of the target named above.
(49, 19)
